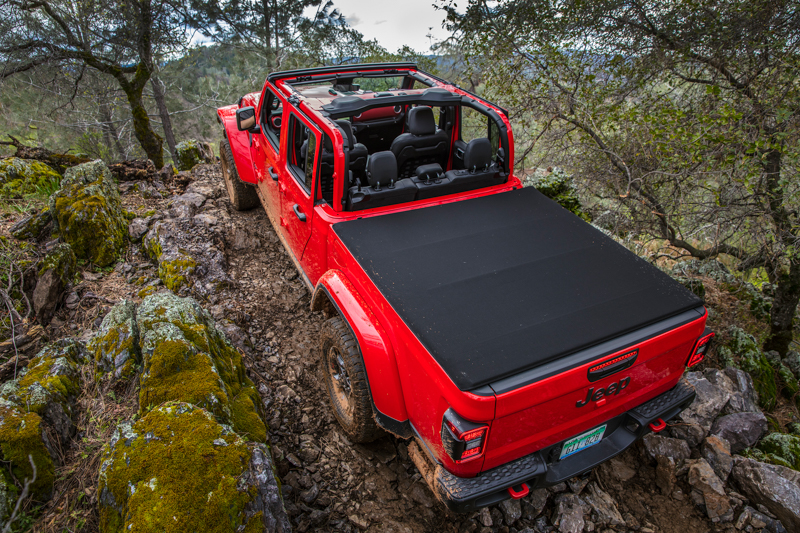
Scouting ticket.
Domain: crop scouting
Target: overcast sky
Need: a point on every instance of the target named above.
(395, 22)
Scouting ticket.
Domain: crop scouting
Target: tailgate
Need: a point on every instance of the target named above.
(551, 404)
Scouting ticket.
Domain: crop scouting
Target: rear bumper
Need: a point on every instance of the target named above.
(543, 469)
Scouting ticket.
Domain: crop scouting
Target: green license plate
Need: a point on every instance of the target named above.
(581, 442)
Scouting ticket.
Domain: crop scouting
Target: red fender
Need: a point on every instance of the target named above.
(379, 360)
(239, 141)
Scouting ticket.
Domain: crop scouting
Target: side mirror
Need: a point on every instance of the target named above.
(246, 118)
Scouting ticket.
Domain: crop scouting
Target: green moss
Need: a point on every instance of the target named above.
(23, 177)
(176, 469)
(782, 449)
(51, 377)
(21, 436)
(32, 227)
(149, 213)
(8, 496)
(88, 215)
(185, 358)
(753, 361)
(62, 261)
(188, 154)
(115, 347)
(175, 273)
(147, 291)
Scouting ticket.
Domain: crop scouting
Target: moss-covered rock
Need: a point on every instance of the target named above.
(753, 361)
(185, 358)
(56, 271)
(88, 215)
(190, 153)
(174, 266)
(32, 227)
(792, 362)
(8, 496)
(115, 347)
(22, 436)
(178, 469)
(21, 177)
(781, 449)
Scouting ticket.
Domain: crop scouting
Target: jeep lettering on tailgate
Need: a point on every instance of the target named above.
(614, 388)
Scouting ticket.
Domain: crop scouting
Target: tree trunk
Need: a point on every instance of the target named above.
(784, 306)
(110, 131)
(166, 122)
(149, 140)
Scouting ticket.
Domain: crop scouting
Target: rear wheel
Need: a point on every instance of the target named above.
(242, 195)
(346, 381)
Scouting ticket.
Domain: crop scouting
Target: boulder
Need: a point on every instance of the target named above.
(707, 405)
(717, 452)
(693, 434)
(178, 469)
(33, 227)
(753, 361)
(133, 169)
(115, 346)
(57, 270)
(782, 449)
(792, 362)
(138, 228)
(88, 214)
(192, 152)
(569, 513)
(20, 177)
(775, 487)
(512, 511)
(24, 439)
(702, 478)
(675, 449)
(741, 430)
(744, 398)
(185, 358)
(8, 496)
(605, 512)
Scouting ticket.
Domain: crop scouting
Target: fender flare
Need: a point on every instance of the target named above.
(240, 143)
(335, 293)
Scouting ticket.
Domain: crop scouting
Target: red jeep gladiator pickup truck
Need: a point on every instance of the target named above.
(518, 345)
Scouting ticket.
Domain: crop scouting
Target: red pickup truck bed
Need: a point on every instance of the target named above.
(499, 285)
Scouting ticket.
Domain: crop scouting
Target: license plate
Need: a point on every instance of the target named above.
(581, 442)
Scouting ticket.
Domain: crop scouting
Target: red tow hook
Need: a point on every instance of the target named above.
(658, 425)
(521, 493)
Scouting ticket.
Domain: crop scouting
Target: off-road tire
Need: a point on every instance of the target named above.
(349, 393)
(242, 195)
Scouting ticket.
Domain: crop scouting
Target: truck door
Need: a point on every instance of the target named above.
(265, 151)
(297, 181)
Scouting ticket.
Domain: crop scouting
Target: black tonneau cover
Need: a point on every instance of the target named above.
(497, 285)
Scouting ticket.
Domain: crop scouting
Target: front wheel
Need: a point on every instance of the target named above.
(346, 380)
(242, 195)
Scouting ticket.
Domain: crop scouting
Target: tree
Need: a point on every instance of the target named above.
(269, 28)
(123, 39)
(681, 114)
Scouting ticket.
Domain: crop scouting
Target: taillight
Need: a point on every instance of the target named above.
(462, 440)
(700, 349)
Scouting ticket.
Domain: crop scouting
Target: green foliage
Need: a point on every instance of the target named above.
(558, 186)
(753, 361)
(780, 449)
(21, 178)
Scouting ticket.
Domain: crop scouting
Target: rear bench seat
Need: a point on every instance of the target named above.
(429, 180)
(384, 188)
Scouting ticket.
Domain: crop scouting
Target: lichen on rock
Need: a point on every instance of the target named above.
(185, 358)
(192, 152)
(20, 177)
(115, 346)
(753, 361)
(88, 214)
(178, 469)
(32, 227)
(8, 496)
(56, 271)
(780, 449)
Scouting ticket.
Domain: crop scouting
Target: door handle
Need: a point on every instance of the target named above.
(272, 174)
(301, 216)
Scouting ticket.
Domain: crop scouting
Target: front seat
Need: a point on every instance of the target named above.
(423, 144)
(357, 151)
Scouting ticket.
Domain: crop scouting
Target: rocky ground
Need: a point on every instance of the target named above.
(186, 238)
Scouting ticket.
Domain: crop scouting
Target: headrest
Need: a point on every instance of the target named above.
(478, 154)
(381, 167)
(420, 121)
(347, 133)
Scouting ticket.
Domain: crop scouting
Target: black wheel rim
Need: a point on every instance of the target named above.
(340, 379)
